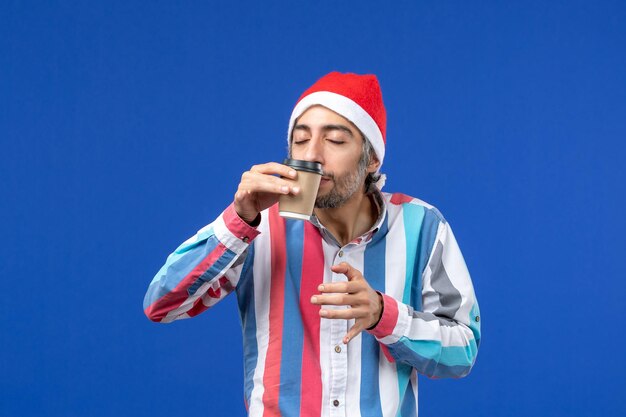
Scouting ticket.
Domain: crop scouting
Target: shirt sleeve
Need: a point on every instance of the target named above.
(201, 271)
(441, 340)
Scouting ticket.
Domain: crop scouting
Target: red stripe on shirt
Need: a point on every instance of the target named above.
(399, 198)
(271, 375)
(173, 299)
(198, 307)
(386, 352)
(388, 320)
(312, 277)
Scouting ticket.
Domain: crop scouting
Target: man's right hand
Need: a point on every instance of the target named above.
(260, 188)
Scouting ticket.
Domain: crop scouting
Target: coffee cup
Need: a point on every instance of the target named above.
(300, 206)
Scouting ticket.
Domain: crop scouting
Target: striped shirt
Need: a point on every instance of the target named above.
(295, 363)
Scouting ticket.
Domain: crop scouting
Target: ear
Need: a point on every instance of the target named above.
(374, 164)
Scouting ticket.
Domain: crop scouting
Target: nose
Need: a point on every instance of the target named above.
(315, 150)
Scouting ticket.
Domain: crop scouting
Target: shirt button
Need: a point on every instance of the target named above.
(245, 239)
(477, 318)
(336, 403)
(338, 349)
(340, 253)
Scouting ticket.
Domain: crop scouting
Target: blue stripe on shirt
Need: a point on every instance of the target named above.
(404, 386)
(408, 405)
(293, 332)
(374, 273)
(413, 216)
(430, 226)
(245, 301)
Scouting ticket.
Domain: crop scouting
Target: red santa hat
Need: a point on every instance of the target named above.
(356, 97)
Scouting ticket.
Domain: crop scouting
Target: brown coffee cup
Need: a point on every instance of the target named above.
(300, 206)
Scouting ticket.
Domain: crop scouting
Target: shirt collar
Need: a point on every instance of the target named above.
(381, 207)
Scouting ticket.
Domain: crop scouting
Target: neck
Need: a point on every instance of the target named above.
(350, 220)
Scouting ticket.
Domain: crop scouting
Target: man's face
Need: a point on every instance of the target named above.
(323, 136)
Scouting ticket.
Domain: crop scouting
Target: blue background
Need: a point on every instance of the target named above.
(126, 125)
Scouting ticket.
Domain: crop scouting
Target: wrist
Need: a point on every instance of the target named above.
(238, 227)
(381, 309)
(254, 222)
(251, 219)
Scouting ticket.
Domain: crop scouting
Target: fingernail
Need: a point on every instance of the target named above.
(323, 313)
(296, 190)
(314, 299)
(292, 173)
(284, 189)
(320, 288)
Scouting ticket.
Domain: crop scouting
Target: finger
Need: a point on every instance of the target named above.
(253, 182)
(340, 287)
(344, 313)
(334, 299)
(255, 177)
(272, 168)
(242, 197)
(347, 269)
(353, 332)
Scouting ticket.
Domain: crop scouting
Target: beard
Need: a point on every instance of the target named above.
(344, 188)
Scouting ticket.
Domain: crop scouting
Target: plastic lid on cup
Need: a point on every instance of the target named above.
(300, 165)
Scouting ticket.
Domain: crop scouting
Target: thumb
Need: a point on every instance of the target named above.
(353, 332)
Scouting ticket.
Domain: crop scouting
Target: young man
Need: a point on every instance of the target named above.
(338, 314)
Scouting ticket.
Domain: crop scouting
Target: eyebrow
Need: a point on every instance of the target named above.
(342, 128)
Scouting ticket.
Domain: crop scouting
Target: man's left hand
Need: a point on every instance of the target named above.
(366, 305)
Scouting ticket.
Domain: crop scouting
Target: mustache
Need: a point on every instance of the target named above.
(329, 175)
